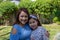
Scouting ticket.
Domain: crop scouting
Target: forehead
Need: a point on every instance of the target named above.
(23, 13)
(32, 19)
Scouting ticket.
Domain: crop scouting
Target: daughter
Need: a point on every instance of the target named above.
(38, 33)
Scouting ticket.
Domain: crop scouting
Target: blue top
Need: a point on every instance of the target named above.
(23, 33)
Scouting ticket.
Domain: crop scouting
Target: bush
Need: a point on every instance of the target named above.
(55, 19)
(8, 11)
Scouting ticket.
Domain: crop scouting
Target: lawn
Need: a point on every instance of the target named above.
(4, 32)
(52, 28)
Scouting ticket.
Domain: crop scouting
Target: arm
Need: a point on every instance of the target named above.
(43, 37)
(46, 35)
(14, 34)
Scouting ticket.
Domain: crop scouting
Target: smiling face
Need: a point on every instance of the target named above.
(23, 17)
(33, 23)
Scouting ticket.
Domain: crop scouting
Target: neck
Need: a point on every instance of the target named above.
(21, 24)
(35, 28)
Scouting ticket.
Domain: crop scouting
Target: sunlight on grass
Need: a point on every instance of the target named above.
(53, 29)
(4, 32)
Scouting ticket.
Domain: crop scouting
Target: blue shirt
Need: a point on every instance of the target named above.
(23, 33)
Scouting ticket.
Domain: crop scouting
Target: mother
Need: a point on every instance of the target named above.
(21, 29)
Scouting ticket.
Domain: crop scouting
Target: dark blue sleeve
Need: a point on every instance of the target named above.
(14, 36)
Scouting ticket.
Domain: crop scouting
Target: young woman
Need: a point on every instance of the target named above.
(38, 33)
(21, 29)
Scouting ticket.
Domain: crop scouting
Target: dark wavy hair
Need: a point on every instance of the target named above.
(35, 18)
(18, 13)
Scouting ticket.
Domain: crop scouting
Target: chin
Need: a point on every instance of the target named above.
(23, 23)
(33, 28)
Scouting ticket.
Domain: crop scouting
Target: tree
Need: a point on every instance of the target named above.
(43, 9)
(8, 9)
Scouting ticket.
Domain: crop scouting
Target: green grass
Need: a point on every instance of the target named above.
(4, 32)
(52, 28)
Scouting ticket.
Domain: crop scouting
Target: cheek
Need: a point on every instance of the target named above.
(36, 24)
(30, 25)
(20, 18)
(26, 18)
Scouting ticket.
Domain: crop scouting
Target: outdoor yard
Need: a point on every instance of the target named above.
(47, 11)
(52, 28)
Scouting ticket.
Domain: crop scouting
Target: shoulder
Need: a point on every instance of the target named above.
(14, 29)
(15, 25)
(41, 28)
(27, 27)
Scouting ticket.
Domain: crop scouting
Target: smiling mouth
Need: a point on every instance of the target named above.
(23, 20)
(33, 26)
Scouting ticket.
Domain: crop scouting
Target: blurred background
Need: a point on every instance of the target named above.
(47, 11)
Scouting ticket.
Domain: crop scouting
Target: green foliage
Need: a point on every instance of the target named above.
(26, 4)
(55, 19)
(56, 4)
(7, 8)
(7, 12)
(48, 8)
(38, 6)
(1, 1)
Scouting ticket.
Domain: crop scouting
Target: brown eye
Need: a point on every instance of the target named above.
(21, 16)
(26, 16)
(33, 21)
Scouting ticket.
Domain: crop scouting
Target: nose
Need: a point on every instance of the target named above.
(24, 18)
(31, 24)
